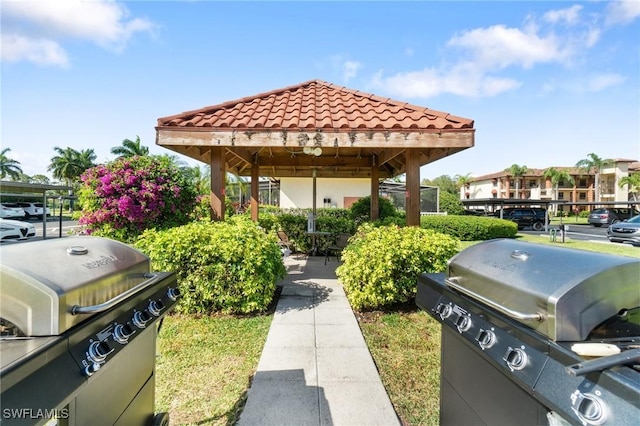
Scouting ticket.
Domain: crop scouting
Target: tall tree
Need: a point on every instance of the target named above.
(463, 180)
(8, 166)
(556, 176)
(130, 148)
(69, 164)
(517, 171)
(39, 178)
(596, 164)
(634, 184)
(445, 183)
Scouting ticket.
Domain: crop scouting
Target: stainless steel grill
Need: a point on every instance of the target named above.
(84, 314)
(560, 293)
(513, 316)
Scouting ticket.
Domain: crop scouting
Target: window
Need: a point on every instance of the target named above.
(560, 195)
(582, 196)
(532, 183)
(583, 183)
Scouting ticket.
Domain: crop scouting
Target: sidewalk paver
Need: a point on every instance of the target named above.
(315, 368)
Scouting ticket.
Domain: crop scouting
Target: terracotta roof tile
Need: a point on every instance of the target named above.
(316, 104)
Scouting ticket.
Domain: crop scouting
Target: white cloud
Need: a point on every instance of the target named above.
(430, 82)
(17, 48)
(46, 23)
(622, 12)
(560, 36)
(570, 15)
(603, 81)
(498, 47)
(350, 69)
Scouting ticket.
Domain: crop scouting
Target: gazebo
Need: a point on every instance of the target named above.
(315, 129)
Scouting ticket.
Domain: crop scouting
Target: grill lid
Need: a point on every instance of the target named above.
(560, 292)
(46, 286)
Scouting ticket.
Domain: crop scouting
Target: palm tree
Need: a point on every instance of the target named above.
(201, 178)
(634, 184)
(130, 148)
(8, 166)
(556, 176)
(463, 181)
(517, 172)
(595, 163)
(39, 178)
(69, 164)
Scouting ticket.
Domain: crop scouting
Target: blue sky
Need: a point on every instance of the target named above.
(546, 82)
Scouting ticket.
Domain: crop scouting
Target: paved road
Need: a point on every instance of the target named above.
(53, 226)
(581, 232)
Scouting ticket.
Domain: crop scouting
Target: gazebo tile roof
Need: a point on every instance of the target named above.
(316, 104)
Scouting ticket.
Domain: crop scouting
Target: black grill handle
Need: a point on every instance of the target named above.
(453, 283)
(626, 357)
(94, 309)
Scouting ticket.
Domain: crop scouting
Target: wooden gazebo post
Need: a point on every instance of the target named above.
(413, 188)
(375, 189)
(218, 174)
(255, 189)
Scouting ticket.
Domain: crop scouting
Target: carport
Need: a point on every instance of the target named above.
(501, 203)
(316, 129)
(23, 190)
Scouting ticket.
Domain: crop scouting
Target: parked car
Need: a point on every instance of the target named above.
(34, 209)
(16, 230)
(608, 216)
(11, 210)
(627, 231)
(523, 217)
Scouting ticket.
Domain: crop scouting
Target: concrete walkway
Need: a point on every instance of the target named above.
(315, 367)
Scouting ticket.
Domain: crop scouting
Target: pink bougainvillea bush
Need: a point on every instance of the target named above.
(122, 198)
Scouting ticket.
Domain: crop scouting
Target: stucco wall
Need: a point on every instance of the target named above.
(298, 192)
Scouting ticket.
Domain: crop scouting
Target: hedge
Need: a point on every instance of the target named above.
(470, 228)
(381, 264)
(229, 267)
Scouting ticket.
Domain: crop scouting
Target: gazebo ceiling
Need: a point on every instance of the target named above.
(353, 130)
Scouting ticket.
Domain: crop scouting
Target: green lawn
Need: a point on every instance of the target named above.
(205, 365)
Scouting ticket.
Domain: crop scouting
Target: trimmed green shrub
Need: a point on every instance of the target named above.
(229, 266)
(470, 228)
(361, 209)
(381, 265)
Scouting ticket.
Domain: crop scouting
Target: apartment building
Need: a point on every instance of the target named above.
(535, 186)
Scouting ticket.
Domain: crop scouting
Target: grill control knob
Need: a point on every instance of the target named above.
(98, 351)
(155, 306)
(463, 323)
(444, 310)
(141, 318)
(121, 333)
(486, 339)
(91, 369)
(516, 359)
(173, 293)
(590, 409)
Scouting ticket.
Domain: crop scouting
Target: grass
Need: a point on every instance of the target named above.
(406, 348)
(205, 365)
(602, 247)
